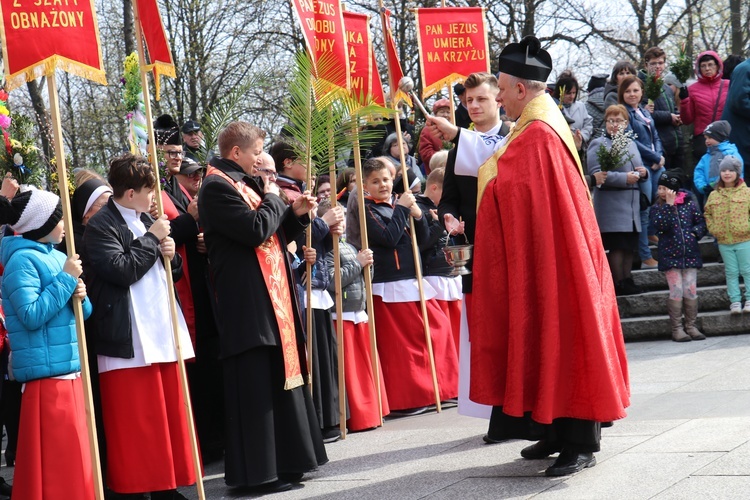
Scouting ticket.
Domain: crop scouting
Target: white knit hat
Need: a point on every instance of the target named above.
(38, 213)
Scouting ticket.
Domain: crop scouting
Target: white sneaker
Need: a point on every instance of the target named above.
(746, 309)
(735, 308)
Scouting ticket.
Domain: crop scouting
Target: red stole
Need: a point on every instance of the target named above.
(271, 260)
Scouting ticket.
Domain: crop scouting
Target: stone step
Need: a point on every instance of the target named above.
(711, 274)
(710, 323)
(710, 298)
(709, 251)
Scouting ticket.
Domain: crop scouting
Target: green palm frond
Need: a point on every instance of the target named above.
(316, 112)
(225, 110)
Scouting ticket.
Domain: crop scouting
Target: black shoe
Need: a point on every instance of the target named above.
(275, 487)
(408, 412)
(540, 449)
(167, 495)
(5, 488)
(290, 477)
(10, 459)
(331, 434)
(570, 462)
(631, 287)
(487, 439)
(449, 403)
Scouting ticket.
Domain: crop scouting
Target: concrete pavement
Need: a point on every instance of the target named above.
(687, 436)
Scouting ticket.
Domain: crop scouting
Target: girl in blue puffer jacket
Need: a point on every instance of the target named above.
(39, 282)
(680, 225)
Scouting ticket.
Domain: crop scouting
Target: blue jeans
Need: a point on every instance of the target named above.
(643, 250)
(736, 261)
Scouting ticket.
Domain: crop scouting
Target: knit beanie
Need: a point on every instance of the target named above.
(85, 195)
(441, 104)
(597, 81)
(33, 214)
(718, 130)
(672, 179)
(731, 163)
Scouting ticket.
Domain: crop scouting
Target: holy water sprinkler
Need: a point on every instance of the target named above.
(406, 85)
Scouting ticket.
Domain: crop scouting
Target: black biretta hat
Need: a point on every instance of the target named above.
(526, 60)
(166, 131)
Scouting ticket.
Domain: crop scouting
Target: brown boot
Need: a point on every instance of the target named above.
(675, 319)
(691, 313)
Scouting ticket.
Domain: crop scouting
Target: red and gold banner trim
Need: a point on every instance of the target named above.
(322, 26)
(157, 43)
(39, 37)
(365, 81)
(452, 45)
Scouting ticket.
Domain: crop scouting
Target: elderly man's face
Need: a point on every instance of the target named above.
(192, 139)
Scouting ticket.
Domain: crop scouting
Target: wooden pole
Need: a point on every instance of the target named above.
(418, 269)
(450, 91)
(337, 287)
(62, 178)
(364, 243)
(167, 263)
(415, 248)
(308, 243)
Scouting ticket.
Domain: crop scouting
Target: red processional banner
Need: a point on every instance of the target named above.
(155, 36)
(40, 36)
(394, 65)
(322, 26)
(452, 45)
(365, 81)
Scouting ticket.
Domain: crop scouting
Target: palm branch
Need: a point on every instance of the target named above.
(316, 112)
(226, 110)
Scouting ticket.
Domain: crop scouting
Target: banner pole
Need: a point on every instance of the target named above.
(337, 286)
(62, 178)
(308, 244)
(364, 243)
(167, 263)
(414, 244)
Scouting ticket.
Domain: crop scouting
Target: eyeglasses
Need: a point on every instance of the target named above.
(612, 121)
(197, 173)
(175, 154)
(267, 171)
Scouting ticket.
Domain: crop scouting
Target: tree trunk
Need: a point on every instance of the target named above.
(42, 120)
(736, 25)
(529, 22)
(128, 28)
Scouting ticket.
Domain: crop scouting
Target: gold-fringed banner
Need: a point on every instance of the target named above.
(363, 70)
(322, 26)
(39, 37)
(160, 56)
(452, 45)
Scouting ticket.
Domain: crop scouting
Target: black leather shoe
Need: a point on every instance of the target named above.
(540, 449)
(275, 487)
(487, 439)
(290, 477)
(570, 462)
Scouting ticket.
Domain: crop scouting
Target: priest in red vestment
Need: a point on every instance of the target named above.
(547, 347)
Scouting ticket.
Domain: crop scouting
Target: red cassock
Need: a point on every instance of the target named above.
(545, 329)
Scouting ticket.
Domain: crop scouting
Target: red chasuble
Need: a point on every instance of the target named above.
(545, 329)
